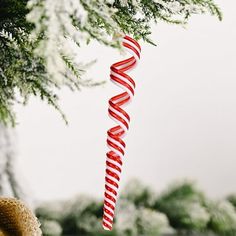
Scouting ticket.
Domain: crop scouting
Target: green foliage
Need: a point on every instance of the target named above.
(232, 200)
(184, 205)
(135, 16)
(138, 193)
(187, 209)
(223, 218)
(12, 14)
(82, 217)
(51, 228)
(21, 73)
(40, 40)
(79, 216)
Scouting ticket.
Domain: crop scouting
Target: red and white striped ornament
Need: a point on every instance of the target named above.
(115, 135)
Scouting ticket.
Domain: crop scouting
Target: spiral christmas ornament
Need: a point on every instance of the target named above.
(115, 136)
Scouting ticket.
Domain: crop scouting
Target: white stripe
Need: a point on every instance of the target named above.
(108, 208)
(112, 186)
(114, 171)
(114, 162)
(118, 153)
(124, 88)
(117, 131)
(107, 222)
(134, 55)
(112, 178)
(131, 44)
(116, 143)
(105, 228)
(125, 65)
(119, 123)
(123, 79)
(107, 215)
(121, 99)
(109, 201)
(111, 194)
(119, 114)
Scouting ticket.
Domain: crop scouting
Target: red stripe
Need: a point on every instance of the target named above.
(132, 48)
(111, 182)
(110, 143)
(108, 212)
(117, 159)
(107, 226)
(107, 219)
(117, 117)
(116, 107)
(133, 41)
(109, 205)
(126, 65)
(114, 175)
(116, 137)
(110, 197)
(113, 166)
(122, 83)
(115, 129)
(121, 101)
(114, 69)
(110, 189)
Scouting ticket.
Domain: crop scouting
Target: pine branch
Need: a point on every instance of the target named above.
(40, 40)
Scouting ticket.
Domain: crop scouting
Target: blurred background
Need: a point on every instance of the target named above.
(183, 130)
(182, 118)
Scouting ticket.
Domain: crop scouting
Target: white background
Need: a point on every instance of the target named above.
(183, 117)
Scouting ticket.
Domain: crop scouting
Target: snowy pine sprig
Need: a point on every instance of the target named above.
(40, 40)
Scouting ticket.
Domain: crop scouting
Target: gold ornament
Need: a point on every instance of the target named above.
(16, 219)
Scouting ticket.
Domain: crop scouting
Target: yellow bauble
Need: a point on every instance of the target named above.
(16, 219)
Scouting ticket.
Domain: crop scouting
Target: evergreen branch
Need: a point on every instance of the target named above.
(36, 55)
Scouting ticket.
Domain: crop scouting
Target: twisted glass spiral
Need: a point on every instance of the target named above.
(114, 140)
